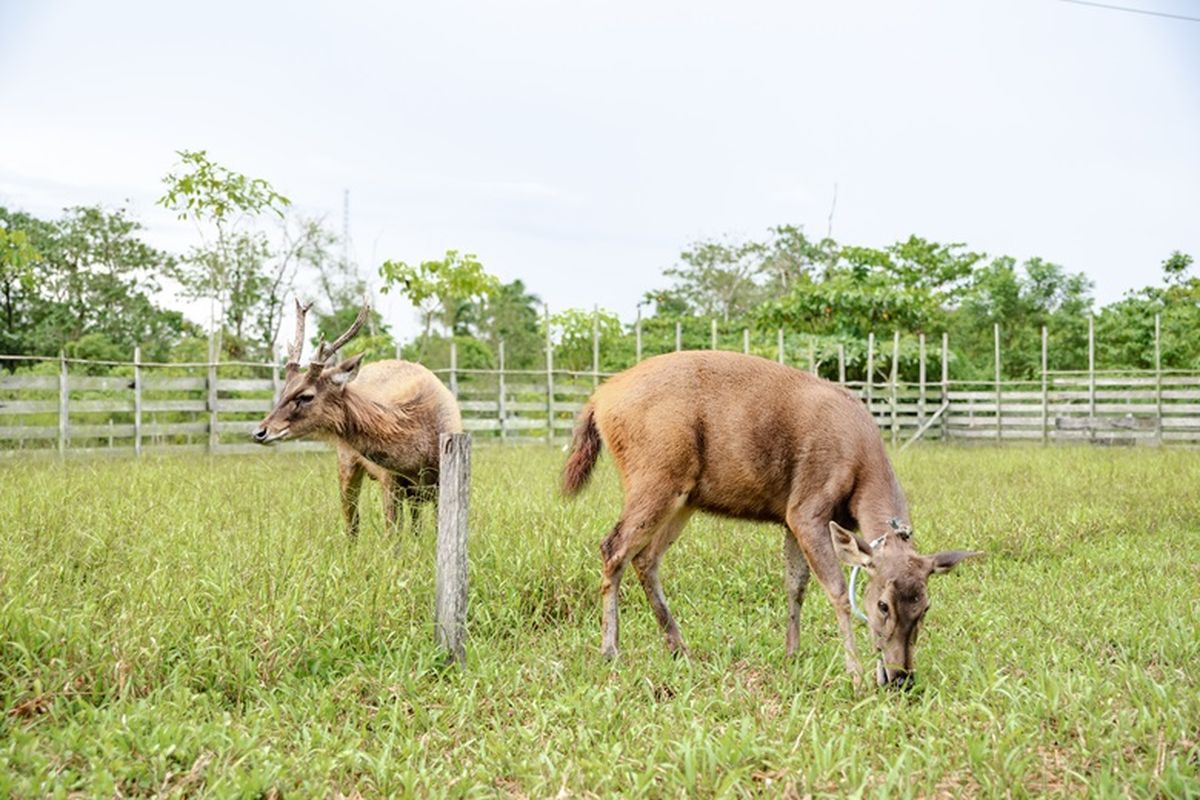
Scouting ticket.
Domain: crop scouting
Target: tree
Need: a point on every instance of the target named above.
(510, 315)
(92, 274)
(17, 260)
(227, 267)
(440, 289)
(718, 278)
(572, 331)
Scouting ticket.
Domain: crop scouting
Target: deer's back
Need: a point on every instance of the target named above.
(742, 435)
(403, 384)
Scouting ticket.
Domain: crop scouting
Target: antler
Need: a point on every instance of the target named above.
(326, 351)
(297, 345)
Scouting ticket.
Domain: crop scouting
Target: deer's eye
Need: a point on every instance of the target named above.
(883, 607)
(304, 398)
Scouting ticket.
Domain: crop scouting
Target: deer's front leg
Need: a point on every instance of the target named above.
(810, 527)
(350, 477)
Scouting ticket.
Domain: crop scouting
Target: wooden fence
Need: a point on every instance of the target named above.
(139, 407)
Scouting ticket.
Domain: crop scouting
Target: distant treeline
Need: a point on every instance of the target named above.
(87, 284)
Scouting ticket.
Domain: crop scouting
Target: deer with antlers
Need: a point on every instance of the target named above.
(384, 418)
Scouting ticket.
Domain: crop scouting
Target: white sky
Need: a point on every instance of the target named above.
(581, 145)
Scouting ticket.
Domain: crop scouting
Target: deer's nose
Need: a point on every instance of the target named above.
(260, 434)
(899, 679)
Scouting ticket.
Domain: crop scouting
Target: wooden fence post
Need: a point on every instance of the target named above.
(1158, 390)
(842, 363)
(502, 402)
(454, 368)
(812, 356)
(780, 345)
(895, 374)
(549, 383)
(454, 493)
(64, 408)
(596, 347)
(276, 384)
(921, 381)
(996, 341)
(870, 372)
(137, 400)
(678, 336)
(1092, 376)
(714, 334)
(638, 330)
(946, 385)
(213, 436)
(1045, 386)
(746, 341)
(399, 350)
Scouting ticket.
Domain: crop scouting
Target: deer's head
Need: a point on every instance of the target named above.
(312, 400)
(896, 598)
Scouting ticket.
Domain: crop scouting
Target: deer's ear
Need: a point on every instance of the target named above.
(346, 371)
(850, 548)
(947, 559)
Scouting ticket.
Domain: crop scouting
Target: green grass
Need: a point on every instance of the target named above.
(199, 627)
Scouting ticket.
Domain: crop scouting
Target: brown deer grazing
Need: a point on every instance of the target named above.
(745, 437)
(384, 419)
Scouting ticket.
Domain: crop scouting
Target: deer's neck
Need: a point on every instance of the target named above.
(372, 427)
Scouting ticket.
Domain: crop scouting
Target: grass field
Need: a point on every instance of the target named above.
(197, 627)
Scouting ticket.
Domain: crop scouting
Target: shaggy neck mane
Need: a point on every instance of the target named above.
(370, 422)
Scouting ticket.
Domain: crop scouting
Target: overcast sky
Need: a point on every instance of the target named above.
(580, 145)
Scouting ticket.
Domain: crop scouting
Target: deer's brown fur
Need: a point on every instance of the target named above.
(384, 419)
(749, 438)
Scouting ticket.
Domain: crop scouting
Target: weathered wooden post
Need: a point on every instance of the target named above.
(454, 368)
(893, 378)
(1158, 390)
(1045, 387)
(870, 373)
(678, 336)
(996, 341)
(502, 400)
(549, 382)
(780, 345)
(842, 363)
(454, 494)
(399, 350)
(946, 385)
(812, 356)
(214, 437)
(137, 400)
(638, 331)
(920, 381)
(596, 347)
(64, 408)
(714, 334)
(746, 341)
(1091, 376)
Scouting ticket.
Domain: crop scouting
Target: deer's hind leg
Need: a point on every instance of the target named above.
(350, 478)
(646, 512)
(646, 565)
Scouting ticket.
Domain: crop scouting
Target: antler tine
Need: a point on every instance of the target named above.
(297, 345)
(326, 351)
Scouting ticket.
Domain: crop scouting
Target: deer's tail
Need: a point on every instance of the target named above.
(585, 449)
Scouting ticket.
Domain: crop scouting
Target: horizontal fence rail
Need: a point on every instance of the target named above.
(60, 406)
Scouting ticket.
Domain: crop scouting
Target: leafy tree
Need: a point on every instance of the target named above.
(17, 280)
(228, 266)
(717, 279)
(510, 315)
(572, 331)
(440, 289)
(91, 273)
